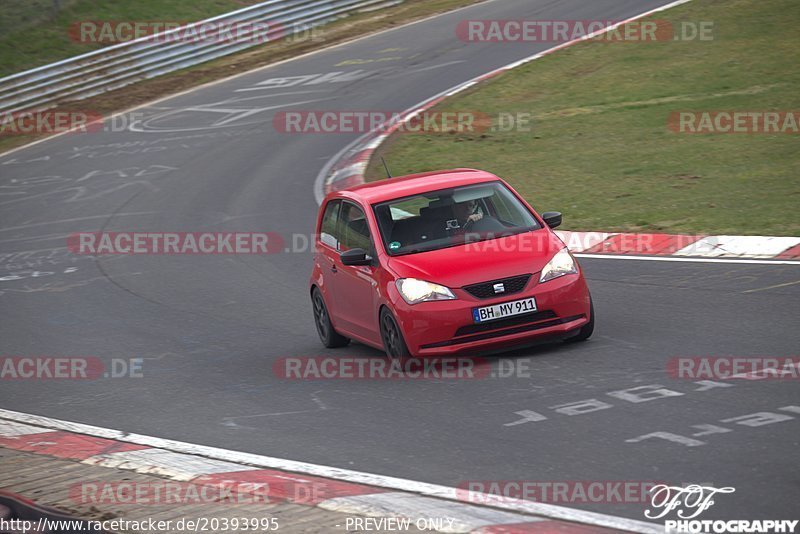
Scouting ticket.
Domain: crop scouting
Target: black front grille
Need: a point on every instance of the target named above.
(500, 333)
(485, 290)
(504, 323)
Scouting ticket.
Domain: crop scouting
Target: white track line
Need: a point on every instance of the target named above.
(9, 429)
(739, 245)
(166, 463)
(357, 477)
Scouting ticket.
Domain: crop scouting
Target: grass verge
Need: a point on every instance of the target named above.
(600, 149)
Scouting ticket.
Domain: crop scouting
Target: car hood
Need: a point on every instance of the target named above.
(479, 262)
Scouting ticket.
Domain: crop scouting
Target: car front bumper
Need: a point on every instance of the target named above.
(443, 328)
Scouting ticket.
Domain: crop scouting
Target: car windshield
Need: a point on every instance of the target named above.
(451, 217)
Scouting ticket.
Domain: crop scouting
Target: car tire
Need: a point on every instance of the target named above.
(585, 332)
(393, 343)
(327, 334)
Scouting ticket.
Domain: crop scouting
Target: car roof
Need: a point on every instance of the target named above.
(414, 184)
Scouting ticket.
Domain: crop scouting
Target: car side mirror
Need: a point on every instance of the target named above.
(355, 256)
(552, 219)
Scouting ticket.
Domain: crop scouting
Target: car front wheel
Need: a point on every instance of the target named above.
(393, 342)
(585, 332)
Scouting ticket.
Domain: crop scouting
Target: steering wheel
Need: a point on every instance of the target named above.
(467, 224)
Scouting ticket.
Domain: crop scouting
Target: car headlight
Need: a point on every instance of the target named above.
(415, 291)
(561, 264)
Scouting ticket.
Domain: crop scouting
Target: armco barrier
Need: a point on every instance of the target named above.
(122, 64)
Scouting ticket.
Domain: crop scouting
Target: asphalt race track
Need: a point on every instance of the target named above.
(209, 328)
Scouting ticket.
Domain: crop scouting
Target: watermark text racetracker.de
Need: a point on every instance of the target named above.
(734, 367)
(197, 33)
(199, 492)
(167, 242)
(715, 122)
(564, 31)
(381, 368)
(489, 492)
(212, 242)
(214, 489)
(68, 368)
(175, 243)
(387, 121)
(59, 121)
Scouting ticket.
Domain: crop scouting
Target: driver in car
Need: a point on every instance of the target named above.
(468, 212)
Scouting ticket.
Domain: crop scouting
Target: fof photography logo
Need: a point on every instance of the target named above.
(688, 503)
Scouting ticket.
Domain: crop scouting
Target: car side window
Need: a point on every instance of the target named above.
(353, 229)
(328, 229)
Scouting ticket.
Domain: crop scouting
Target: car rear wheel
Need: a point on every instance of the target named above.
(393, 342)
(585, 332)
(329, 337)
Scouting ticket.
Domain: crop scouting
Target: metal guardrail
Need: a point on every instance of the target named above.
(119, 65)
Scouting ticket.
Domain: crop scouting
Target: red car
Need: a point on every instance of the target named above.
(443, 263)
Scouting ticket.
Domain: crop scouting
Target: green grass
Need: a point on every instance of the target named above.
(600, 150)
(34, 32)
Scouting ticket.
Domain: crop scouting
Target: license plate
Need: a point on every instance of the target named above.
(506, 309)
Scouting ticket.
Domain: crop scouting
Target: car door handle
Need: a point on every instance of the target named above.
(334, 270)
